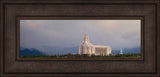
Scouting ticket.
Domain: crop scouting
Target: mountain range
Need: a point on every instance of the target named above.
(30, 51)
(128, 50)
(60, 51)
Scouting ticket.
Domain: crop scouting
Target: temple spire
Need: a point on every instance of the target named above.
(86, 37)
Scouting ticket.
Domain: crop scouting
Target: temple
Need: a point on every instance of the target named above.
(88, 48)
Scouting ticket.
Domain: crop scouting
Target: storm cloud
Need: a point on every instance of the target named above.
(69, 33)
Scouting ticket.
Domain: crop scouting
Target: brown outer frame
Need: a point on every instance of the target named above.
(157, 74)
(77, 18)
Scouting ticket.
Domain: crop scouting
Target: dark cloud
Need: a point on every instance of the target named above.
(69, 33)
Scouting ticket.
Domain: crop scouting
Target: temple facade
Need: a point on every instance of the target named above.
(88, 48)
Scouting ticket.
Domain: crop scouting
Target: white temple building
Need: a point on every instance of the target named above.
(88, 48)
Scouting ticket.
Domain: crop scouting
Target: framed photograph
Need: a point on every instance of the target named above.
(67, 38)
(80, 38)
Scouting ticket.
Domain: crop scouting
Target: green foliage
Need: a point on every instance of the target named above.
(93, 55)
(137, 55)
(24, 56)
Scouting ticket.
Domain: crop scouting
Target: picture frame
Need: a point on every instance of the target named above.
(13, 11)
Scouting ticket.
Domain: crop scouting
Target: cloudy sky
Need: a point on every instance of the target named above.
(69, 33)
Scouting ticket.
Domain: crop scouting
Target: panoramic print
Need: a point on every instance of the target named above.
(80, 38)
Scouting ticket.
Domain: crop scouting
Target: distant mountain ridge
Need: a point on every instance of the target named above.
(128, 50)
(61, 51)
(31, 51)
